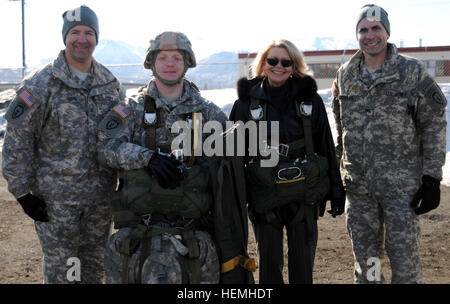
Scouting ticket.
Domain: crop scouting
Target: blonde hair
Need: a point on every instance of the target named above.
(299, 67)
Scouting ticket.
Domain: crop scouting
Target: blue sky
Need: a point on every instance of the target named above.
(213, 26)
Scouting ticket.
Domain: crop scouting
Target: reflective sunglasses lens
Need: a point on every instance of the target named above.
(286, 63)
(272, 61)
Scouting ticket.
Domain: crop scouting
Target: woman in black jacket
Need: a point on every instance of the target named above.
(281, 91)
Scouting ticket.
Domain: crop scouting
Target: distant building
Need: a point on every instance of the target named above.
(324, 64)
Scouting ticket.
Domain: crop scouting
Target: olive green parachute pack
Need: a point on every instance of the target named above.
(300, 175)
(230, 220)
(211, 197)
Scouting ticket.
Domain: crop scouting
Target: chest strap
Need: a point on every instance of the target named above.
(307, 129)
(152, 119)
(303, 110)
(195, 140)
(257, 112)
(151, 122)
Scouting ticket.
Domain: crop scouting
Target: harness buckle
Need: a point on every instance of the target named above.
(146, 219)
(176, 242)
(283, 150)
(257, 113)
(178, 154)
(305, 109)
(150, 118)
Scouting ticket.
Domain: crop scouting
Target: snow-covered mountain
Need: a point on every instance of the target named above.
(126, 62)
(219, 70)
(118, 52)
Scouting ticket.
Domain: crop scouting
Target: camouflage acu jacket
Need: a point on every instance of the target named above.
(50, 146)
(391, 128)
(122, 134)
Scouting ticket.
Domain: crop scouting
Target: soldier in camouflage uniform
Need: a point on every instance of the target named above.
(50, 154)
(127, 144)
(390, 118)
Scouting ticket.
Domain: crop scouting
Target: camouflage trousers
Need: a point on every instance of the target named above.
(164, 262)
(74, 241)
(374, 221)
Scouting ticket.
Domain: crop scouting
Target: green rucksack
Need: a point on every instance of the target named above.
(142, 195)
(192, 199)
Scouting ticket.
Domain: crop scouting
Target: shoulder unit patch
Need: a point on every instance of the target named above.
(432, 91)
(20, 106)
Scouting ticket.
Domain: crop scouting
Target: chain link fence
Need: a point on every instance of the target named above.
(323, 65)
(438, 67)
(212, 75)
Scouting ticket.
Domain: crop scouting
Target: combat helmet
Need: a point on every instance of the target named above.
(170, 41)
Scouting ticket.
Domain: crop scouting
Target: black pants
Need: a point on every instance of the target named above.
(301, 241)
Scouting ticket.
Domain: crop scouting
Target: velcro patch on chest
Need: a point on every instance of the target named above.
(121, 111)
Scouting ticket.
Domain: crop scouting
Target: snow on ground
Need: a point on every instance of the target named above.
(221, 97)
(446, 169)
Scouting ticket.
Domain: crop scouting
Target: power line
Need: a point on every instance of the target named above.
(23, 37)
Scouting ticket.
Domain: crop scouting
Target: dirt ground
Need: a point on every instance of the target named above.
(20, 252)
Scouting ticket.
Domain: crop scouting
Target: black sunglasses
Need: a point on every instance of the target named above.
(284, 62)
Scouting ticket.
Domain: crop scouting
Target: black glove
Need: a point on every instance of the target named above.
(164, 169)
(34, 207)
(337, 206)
(429, 193)
(322, 207)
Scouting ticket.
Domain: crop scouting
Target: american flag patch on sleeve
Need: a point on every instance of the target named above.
(27, 98)
(122, 111)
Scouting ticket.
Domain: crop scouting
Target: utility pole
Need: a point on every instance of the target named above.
(24, 65)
